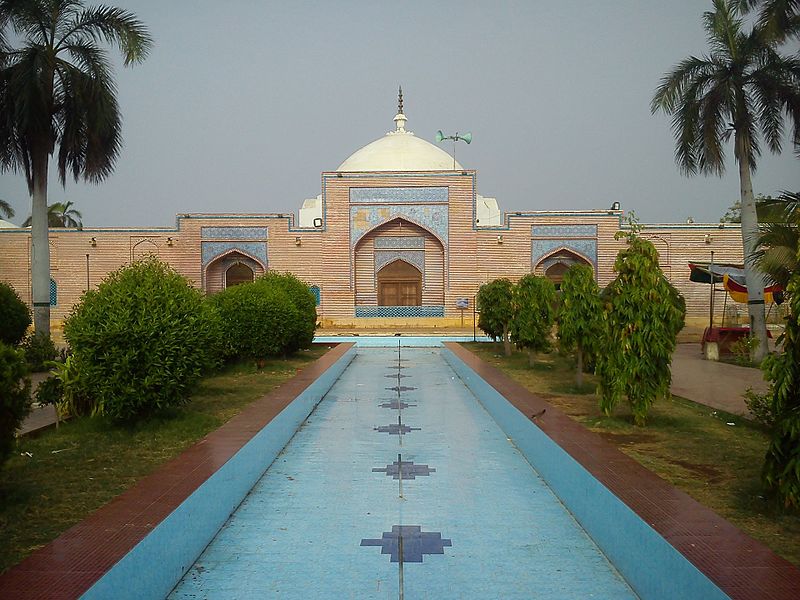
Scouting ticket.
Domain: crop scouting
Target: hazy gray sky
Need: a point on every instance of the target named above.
(241, 105)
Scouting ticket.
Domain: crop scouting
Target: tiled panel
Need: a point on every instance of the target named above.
(233, 233)
(211, 250)
(400, 195)
(399, 311)
(384, 242)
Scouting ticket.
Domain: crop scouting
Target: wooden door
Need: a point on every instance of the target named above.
(399, 284)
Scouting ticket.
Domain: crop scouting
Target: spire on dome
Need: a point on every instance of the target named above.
(400, 118)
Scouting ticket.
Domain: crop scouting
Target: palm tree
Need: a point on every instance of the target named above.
(60, 214)
(780, 238)
(57, 90)
(742, 89)
(780, 19)
(5, 208)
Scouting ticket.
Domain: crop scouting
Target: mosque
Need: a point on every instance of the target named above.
(398, 237)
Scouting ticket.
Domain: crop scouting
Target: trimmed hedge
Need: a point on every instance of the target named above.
(141, 341)
(259, 319)
(304, 301)
(14, 316)
(15, 396)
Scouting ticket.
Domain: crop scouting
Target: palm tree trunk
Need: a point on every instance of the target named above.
(40, 247)
(753, 277)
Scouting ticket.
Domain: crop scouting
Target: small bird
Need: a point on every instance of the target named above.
(535, 416)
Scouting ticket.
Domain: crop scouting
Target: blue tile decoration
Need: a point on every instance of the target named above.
(234, 233)
(396, 376)
(53, 292)
(395, 405)
(396, 429)
(433, 217)
(412, 257)
(564, 231)
(401, 388)
(399, 195)
(405, 469)
(416, 543)
(543, 247)
(211, 250)
(399, 242)
(399, 311)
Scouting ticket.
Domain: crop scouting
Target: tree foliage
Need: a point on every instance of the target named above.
(495, 301)
(534, 306)
(580, 318)
(781, 472)
(141, 341)
(15, 395)
(60, 214)
(780, 234)
(304, 302)
(643, 314)
(14, 316)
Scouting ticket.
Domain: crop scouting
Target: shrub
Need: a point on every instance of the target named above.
(259, 320)
(760, 406)
(140, 341)
(15, 396)
(643, 315)
(495, 303)
(534, 311)
(580, 320)
(39, 349)
(305, 303)
(14, 316)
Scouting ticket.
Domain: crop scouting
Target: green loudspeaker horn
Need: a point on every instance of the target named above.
(439, 136)
(467, 137)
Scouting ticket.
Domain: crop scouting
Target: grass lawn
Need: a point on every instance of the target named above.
(78, 468)
(689, 445)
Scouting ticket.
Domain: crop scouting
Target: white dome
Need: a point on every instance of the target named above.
(7, 225)
(399, 150)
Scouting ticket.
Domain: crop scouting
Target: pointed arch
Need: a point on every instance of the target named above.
(215, 272)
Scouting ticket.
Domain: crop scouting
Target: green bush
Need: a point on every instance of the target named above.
(259, 319)
(305, 303)
(140, 341)
(49, 391)
(39, 349)
(14, 316)
(495, 303)
(15, 396)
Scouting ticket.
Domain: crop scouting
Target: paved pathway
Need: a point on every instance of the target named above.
(715, 384)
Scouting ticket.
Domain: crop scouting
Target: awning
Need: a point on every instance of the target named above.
(733, 279)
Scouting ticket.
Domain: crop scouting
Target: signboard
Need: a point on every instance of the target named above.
(462, 303)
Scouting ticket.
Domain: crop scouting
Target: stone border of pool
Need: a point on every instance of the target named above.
(740, 566)
(163, 513)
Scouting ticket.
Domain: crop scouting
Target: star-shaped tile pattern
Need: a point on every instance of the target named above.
(395, 405)
(396, 376)
(416, 543)
(401, 388)
(395, 429)
(405, 469)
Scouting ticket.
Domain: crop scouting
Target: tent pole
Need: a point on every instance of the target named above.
(711, 311)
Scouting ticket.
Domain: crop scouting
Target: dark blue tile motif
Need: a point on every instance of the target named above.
(396, 405)
(405, 469)
(416, 543)
(396, 376)
(401, 388)
(396, 429)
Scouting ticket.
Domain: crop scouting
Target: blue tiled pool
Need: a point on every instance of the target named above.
(416, 458)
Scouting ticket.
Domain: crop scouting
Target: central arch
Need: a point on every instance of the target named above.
(399, 284)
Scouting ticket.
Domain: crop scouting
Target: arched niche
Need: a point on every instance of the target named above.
(557, 264)
(216, 273)
(238, 273)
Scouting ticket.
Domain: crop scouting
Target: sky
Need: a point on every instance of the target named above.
(241, 105)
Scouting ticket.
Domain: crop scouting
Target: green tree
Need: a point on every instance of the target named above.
(15, 396)
(742, 89)
(643, 314)
(5, 209)
(580, 318)
(781, 472)
(60, 214)
(534, 307)
(57, 91)
(495, 303)
(780, 19)
(780, 234)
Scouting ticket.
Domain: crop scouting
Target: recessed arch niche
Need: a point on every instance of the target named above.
(232, 268)
(557, 264)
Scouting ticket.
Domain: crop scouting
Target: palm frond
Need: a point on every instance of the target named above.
(5, 208)
(114, 26)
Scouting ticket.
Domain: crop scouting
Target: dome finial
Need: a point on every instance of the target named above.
(400, 100)
(400, 118)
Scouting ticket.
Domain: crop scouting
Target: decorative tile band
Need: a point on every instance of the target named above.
(399, 194)
(412, 257)
(234, 233)
(431, 217)
(399, 242)
(53, 292)
(211, 250)
(542, 248)
(399, 311)
(564, 231)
